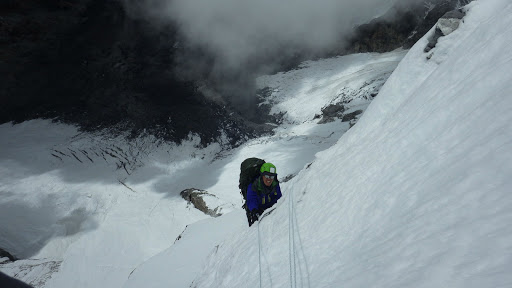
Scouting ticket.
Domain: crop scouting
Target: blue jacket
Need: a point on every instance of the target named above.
(262, 197)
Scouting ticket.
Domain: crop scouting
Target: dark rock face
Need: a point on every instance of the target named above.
(86, 62)
(9, 282)
(29, 33)
(410, 24)
(383, 36)
(5, 254)
(351, 116)
(334, 111)
(331, 112)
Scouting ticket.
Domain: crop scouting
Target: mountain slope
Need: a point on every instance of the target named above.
(416, 194)
(79, 204)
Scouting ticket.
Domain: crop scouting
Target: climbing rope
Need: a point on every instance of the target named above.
(293, 260)
(259, 249)
(291, 246)
(296, 249)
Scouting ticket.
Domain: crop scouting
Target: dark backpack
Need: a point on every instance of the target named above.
(249, 170)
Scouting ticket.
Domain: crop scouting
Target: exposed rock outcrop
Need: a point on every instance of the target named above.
(448, 23)
(197, 198)
(5, 254)
(409, 24)
(331, 112)
(9, 282)
(351, 116)
(336, 111)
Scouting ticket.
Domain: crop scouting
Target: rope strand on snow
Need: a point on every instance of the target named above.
(260, 253)
(296, 261)
(259, 249)
(269, 273)
(296, 249)
(290, 240)
(301, 249)
(293, 243)
(295, 231)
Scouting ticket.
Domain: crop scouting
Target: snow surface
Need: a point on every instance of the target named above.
(416, 194)
(86, 210)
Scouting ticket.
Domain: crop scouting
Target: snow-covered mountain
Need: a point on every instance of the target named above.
(416, 194)
(135, 66)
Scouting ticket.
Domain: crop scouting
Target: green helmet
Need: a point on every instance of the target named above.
(268, 168)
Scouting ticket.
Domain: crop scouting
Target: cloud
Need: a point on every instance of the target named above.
(237, 30)
(243, 38)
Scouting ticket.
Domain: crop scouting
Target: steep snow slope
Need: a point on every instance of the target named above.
(299, 95)
(417, 194)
